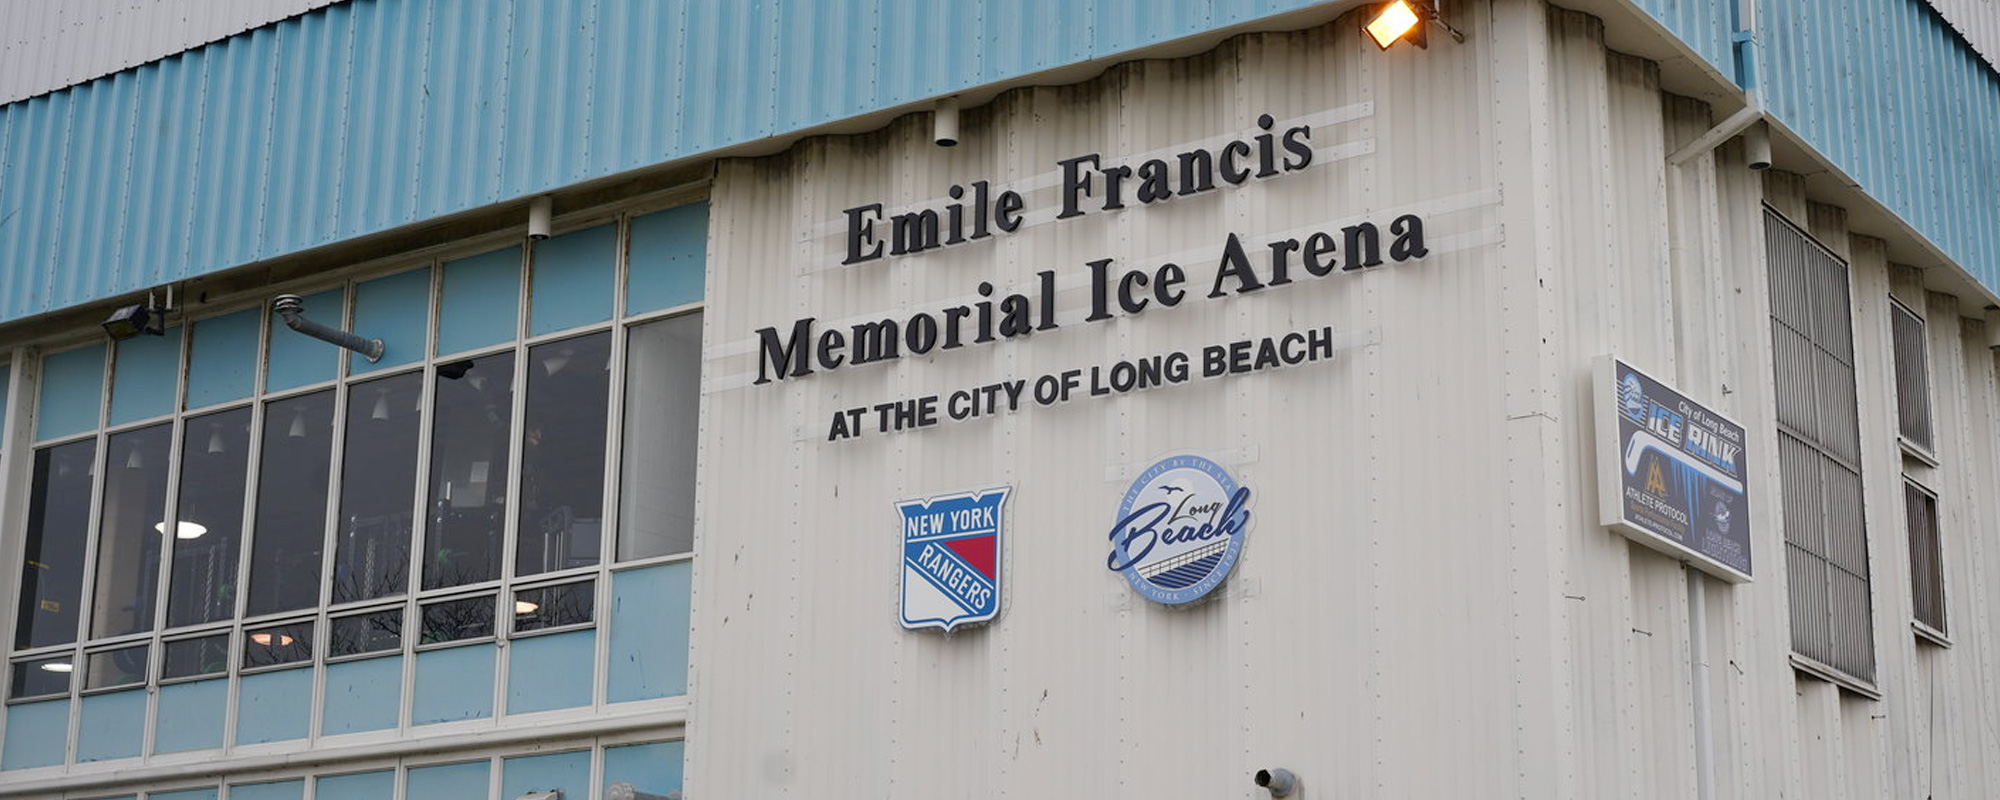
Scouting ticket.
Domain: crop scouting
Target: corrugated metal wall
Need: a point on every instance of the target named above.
(1427, 605)
(1976, 20)
(1344, 648)
(366, 115)
(49, 45)
(1888, 93)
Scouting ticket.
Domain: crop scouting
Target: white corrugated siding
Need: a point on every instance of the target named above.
(1976, 20)
(1426, 606)
(49, 44)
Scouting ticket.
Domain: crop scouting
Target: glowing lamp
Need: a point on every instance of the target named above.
(1394, 22)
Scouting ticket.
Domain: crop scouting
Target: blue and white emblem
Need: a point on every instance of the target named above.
(1179, 530)
(951, 558)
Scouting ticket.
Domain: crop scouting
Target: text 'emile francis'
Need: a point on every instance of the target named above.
(805, 349)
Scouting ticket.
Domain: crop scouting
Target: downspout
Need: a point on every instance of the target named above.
(1749, 122)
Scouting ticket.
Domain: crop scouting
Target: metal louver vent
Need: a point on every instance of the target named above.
(1819, 452)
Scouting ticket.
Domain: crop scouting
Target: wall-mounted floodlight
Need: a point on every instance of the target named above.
(944, 122)
(139, 318)
(540, 211)
(1406, 20)
(293, 309)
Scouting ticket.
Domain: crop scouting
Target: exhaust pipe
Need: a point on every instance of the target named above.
(293, 309)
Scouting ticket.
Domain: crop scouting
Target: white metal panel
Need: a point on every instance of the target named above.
(1333, 650)
(1427, 605)
(46, 46)
(1976, 20)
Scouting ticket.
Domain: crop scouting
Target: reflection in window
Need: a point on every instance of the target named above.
(378, 485)
(188, 658)
(121, 667)
(52, 570)
(209, 527)
(468, 491)
(291, 503)
(662, 399)
(130, 531)
(452, 620)
(278, 644)
(554, 606)
(367, 633)
(40, 676)
(562, 454)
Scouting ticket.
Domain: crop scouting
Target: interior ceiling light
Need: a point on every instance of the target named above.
(267, 639)
(524, 607)
(59, 666)
(183, 529)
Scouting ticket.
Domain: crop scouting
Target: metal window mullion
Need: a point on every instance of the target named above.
(609, 523)
(330, 522)
(251, 478)
(16, 450)
(503, 622)
(420, 525)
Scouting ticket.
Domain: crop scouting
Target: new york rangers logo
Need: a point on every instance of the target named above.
(951, 558)
(1179, 529)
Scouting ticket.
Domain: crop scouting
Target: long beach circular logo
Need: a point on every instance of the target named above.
(1179, 529)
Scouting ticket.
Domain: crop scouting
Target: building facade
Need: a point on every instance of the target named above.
(1598, 401)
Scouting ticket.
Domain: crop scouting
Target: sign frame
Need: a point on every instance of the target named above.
(1615, 436)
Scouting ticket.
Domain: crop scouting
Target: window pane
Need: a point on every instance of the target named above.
(662, 399)
(562, 454)
(130, 531)
(40, 676)
(58, 519)
(378, 486)
(209, 529)
(650, 768)
(367, 633)
(187, 658)
(452, 620)
(468, 493)
(120, 667)
(278, 644)
(291, 503)
(554, 606)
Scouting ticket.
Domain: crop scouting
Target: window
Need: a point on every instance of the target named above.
(1819, 456)
(1920, 514)
(234, 497)
(1913, 383)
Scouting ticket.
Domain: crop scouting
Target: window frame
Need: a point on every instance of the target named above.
(25, 395)
(1940, 634)
(1906, 369)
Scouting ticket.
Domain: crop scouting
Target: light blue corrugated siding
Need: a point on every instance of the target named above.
(1887, 91)
(1704, 25)
(368, 115)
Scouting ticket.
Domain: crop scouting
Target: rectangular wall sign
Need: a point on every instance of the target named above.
(1671, 472)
